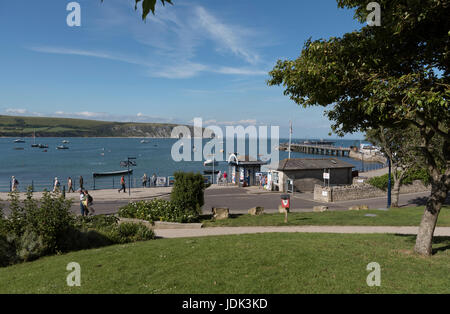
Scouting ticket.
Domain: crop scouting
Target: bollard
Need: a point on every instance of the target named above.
(64, 191)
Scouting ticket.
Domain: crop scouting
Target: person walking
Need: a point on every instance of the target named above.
(144, 180)
(87, 203)
(70, 185)
(56, 185)
(225, 177)
(81, 183)
(14, 184)
(83, 209)
(122, 183)
(154, 178)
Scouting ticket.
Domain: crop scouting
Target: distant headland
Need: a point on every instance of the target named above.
(21, 126)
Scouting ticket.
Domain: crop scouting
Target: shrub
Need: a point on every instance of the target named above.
(8, 254)
(417, 174)
(127, 232)
(39, 228)
(380, 182)
(411, 175)
(33, 230)
(156, 210)
(188, 192)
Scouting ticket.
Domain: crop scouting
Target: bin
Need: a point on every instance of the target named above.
(286, 201)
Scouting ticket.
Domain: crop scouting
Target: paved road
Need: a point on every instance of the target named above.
(239, 200)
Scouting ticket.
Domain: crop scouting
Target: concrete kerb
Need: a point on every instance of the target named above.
(161, 224)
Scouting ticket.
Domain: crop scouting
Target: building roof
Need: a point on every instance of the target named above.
(247, 161)
(311, 163)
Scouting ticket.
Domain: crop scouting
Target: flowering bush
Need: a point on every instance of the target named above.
(156, 210)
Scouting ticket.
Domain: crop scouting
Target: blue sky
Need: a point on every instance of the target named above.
(199, 58)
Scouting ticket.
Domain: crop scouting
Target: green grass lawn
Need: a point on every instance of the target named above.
(257, 263)
(410, 216)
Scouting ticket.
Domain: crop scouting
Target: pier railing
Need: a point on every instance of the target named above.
(105, 183)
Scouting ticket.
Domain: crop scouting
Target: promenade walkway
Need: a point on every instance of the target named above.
(216, 231)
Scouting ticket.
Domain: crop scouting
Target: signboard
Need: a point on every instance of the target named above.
(326, 175)
(207, 179)
(161, 181)
(324, 193)
(171, 180)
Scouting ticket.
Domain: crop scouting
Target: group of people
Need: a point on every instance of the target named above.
(86, 202)
(151, 181)
(222, 178)
(56, 184)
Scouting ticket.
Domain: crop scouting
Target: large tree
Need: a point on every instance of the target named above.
(395, 75)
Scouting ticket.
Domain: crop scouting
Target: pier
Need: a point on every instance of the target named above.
(317, 149)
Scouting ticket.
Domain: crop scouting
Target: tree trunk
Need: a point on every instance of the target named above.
(424, 238)
(396, 193)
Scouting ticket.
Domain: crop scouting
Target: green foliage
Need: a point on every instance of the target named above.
(157, 210)
(36, 229)
(188, 192)
(149, 5)
(417, 174)
(381, 182)
(187, 199)
(395, 75)
(66, 127)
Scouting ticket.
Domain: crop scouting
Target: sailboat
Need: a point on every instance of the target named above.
(34, 140)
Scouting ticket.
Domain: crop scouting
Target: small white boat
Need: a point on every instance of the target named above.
(19, 140)
(62, 147)
(144, 141)
(209, 163)
(65, 142)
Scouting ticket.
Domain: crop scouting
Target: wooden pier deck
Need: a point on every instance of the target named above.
(317, 149)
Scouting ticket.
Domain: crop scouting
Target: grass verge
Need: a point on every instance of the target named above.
(410, 216)
(257, 263)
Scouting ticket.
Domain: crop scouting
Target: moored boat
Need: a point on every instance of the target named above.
(112, 173)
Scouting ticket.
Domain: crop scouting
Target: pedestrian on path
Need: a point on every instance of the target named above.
(81, 183)
(83, 209)
(144, 180)
(122, 183)
(87, 203)
(154, 179)
(225, 177)
(14, 184)
(56, 185)
(70, 185)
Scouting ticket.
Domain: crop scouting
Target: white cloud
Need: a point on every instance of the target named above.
(170, 42)
(16, 111)
(226, 36)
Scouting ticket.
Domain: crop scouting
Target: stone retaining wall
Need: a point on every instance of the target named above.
(360, 190)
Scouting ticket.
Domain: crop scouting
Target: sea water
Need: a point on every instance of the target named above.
(34, 166)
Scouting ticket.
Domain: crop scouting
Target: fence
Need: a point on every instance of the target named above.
(369, 166)
(99, 183)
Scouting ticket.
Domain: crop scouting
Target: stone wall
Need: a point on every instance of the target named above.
(367, 157)
(360, 191)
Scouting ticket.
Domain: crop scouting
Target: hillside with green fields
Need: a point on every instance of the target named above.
(18, 126)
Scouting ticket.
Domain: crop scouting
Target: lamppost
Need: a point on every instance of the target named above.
(127, 163)
(213, 165)
(389, 184)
